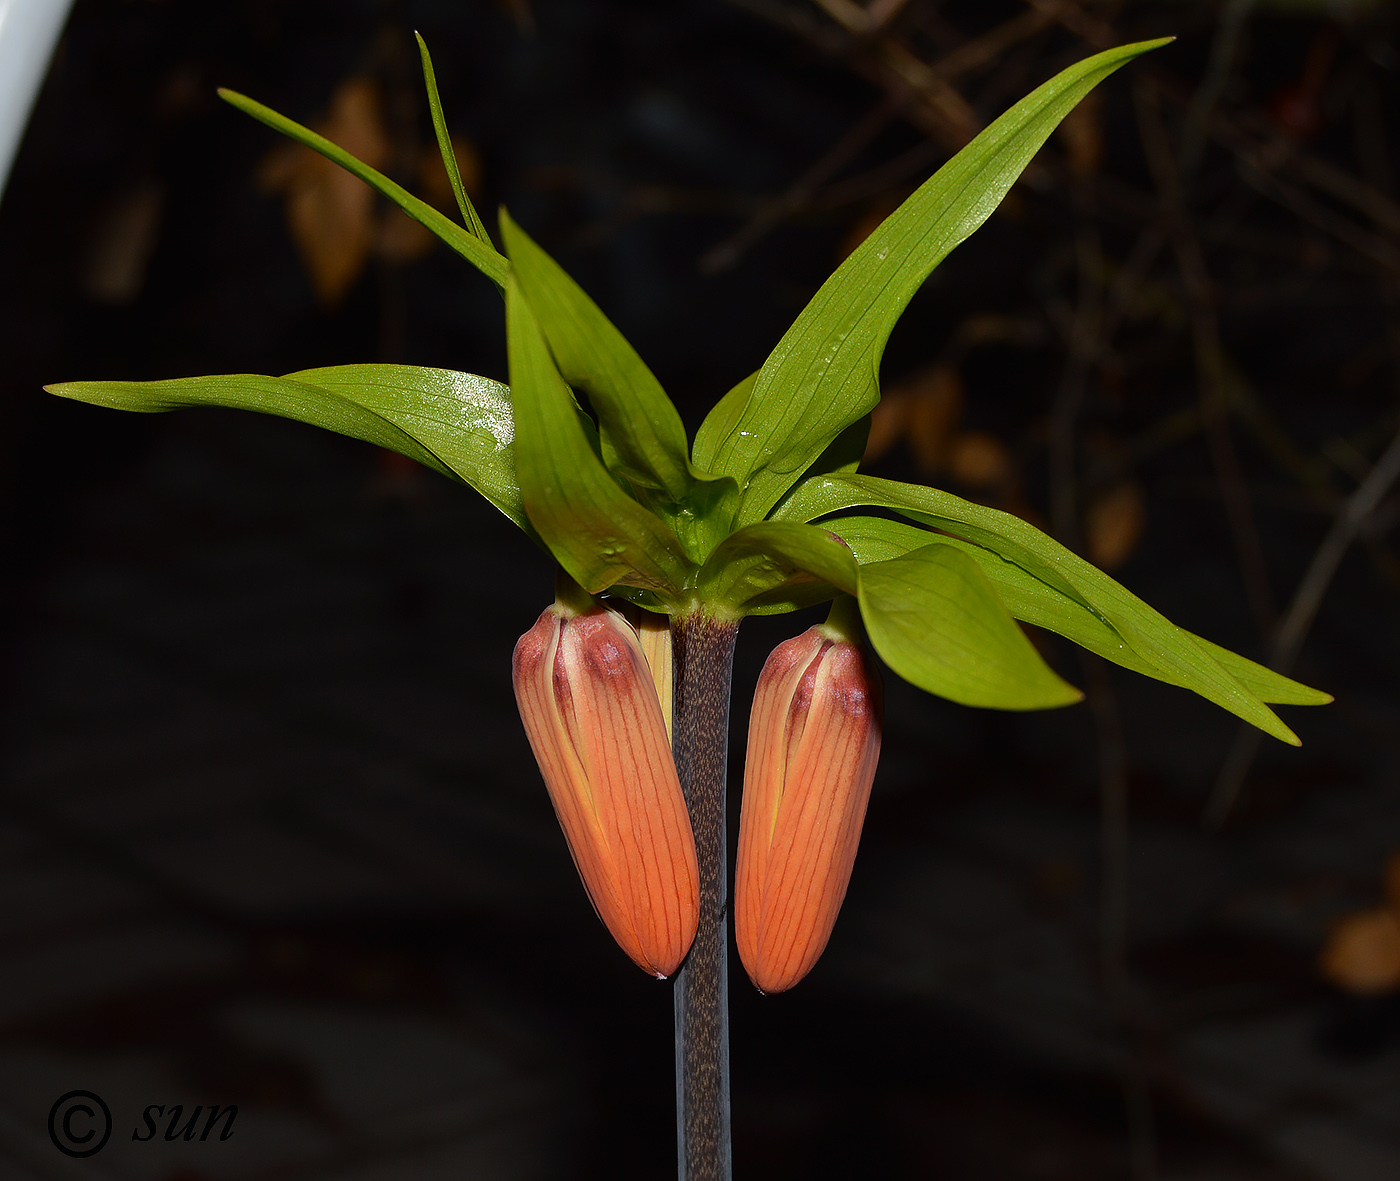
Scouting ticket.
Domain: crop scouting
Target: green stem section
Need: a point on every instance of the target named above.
(704, 660)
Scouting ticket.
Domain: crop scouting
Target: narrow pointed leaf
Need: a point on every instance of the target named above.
(935, 619)
(480, 254)
(444, 141)
(720, 421)
(598, 533)
(1261, 680)
(641, 432)
(1031, 600)
(456, 423)
(1175, 653)
(1027, 598)
(716, 506)
(823, 375)
(777, 563)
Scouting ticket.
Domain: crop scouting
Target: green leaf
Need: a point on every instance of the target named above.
(444, 141)
(456, 423)
(1029, 599)
(1262, 681)
(480, 254)
(720, 421)
(598, 533)
(770, 567)
(824, 374)
(845, 452)
(935, 619)
(704, 520)
(641, 432)
(1174, 653)
(715, 509)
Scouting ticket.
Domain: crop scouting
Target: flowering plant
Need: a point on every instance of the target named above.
(585, 453)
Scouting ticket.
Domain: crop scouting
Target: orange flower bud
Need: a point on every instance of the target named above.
(595, 724)
(654, 635)
(814, 740)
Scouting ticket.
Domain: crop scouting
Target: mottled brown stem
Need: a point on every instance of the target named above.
(704, 660)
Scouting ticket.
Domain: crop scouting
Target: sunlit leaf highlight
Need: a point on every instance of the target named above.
(456, 423)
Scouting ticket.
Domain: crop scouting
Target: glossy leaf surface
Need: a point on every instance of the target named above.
(720, 421)
(935, 619)
(1034, 601)
(763, 568)
(456, 423)
(1174, 653)
(641, 432)
(598, 533)
(823, 375)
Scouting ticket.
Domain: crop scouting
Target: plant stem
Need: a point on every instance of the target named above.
(704, 660)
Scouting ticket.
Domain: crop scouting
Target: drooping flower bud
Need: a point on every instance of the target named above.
(814, 741)
(592, 715)
(654, 635)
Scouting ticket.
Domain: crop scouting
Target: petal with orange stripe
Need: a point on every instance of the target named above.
(596, 727)
(814, 741)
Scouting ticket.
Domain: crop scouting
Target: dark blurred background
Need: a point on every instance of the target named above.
(271, 832)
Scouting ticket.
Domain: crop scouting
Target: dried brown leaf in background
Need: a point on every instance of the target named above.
(1082, 134)
(1362, 954)
(1114, 524)
(329, 212)
(935, 408)
(125, 237)
(924, 411)
(522, 13)
(401, 239)
(979, 460)
(888, 422)
(984, 328)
